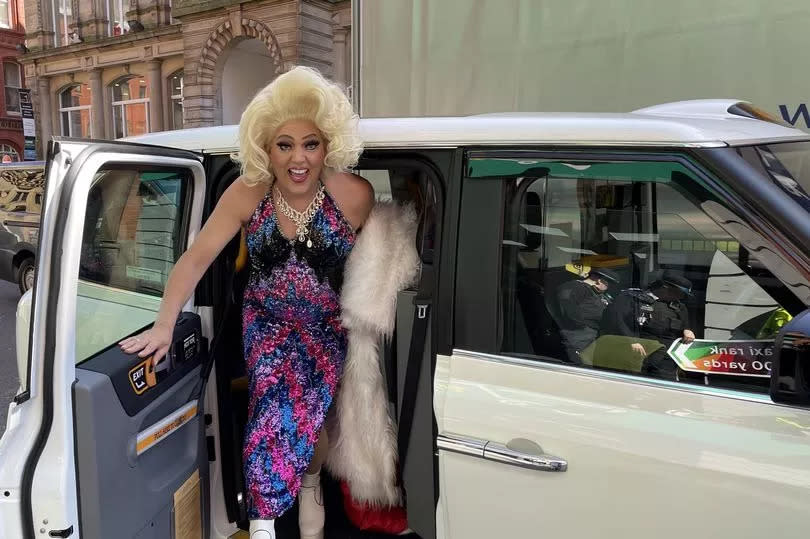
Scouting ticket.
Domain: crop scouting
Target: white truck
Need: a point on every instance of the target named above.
(462, 57)
(459, 57)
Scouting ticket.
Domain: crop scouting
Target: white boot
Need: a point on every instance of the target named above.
(262, 529)
(311, 515)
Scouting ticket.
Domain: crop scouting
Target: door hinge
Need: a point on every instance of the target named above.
(67, 532)
(22, 397)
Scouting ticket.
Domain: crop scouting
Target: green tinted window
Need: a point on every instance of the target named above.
(608, 171)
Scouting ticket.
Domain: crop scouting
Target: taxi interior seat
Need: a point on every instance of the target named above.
(554, 278)
(535, 287)
(528, 285)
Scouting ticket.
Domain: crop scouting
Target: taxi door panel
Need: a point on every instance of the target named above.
(139, 437)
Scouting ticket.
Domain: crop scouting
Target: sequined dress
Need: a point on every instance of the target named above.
(294, 347)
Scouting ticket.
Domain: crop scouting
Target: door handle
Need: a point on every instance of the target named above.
(526, 454)
(518, 452)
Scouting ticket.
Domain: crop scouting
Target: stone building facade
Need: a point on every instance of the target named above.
(12, 37)
(111, 68)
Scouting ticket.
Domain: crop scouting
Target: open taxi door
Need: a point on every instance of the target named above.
(99, 443)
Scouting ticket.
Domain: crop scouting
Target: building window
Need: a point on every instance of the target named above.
(74, 111)
(8, 154)
(62, 17)
(176, 94)
(13, 82)
(130, 103)
(117, 11)
(6, 18)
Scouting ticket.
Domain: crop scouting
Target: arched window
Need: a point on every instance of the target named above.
(176, 96)
(74, 111)
(13, 82)
(130, 106)
(8, 153)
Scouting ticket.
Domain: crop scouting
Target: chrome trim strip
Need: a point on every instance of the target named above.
(464, 445)
(774, 140)
(621, 377)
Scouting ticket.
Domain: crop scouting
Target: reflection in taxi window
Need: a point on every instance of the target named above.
(621, 266)
(131, 238)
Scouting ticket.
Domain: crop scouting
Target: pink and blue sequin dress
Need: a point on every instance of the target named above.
(294, 347)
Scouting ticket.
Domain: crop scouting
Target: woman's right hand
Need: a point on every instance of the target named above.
(155, 340)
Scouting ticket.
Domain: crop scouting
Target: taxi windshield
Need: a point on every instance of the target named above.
(788, 165)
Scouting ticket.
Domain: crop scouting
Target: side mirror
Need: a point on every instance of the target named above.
(790, 372)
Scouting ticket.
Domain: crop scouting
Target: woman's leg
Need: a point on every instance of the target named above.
(311, 515)
(320, 453)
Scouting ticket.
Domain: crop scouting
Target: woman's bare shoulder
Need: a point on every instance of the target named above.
(353, 194)
(241, 198)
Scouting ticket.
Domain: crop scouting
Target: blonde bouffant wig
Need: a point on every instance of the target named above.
(299, 94)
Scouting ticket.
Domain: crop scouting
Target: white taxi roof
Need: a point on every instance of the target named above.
(699, 123)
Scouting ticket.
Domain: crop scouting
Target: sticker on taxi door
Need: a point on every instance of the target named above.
(142, 376)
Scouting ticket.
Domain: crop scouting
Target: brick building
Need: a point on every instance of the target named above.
(12, 37)
(112, 68)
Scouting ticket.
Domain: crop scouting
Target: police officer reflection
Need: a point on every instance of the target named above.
(656, 313)
(582, 303)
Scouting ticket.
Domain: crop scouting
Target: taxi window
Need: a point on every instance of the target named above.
(627, 266)
(134, 232)
(380, 180)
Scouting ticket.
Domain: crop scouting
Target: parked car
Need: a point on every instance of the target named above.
(510, 438)
(22, 188)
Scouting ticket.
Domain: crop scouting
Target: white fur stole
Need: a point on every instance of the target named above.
(362, 435)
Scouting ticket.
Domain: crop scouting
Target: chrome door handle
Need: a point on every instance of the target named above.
(518, 452)
(525, 459)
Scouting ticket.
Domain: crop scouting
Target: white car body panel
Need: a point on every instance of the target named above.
(636, 448)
